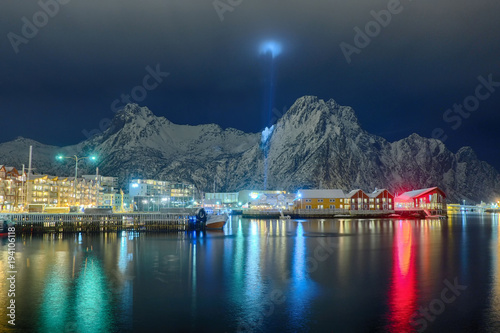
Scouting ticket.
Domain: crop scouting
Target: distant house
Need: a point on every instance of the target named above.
(432, 199)
(381, 199)
(320, 199)
(357, 200)
(11, 188)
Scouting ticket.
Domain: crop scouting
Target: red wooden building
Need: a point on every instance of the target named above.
(381, 199)
(358, 200)
(431, 199)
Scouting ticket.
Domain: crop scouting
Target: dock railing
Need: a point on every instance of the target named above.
(77, 222)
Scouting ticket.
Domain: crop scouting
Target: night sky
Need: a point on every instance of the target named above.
(63, 80)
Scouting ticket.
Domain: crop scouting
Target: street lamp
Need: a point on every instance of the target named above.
(77, 159)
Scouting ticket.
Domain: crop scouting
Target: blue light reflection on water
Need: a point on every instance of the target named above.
(252, 276)
(55, 311)
(302, 288)
(92, 302)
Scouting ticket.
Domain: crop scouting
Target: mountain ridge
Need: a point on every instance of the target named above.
(315, 143)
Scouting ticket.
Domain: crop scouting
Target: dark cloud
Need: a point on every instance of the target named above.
(428, 58)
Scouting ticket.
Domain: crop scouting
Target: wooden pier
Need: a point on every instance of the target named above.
(77, 222)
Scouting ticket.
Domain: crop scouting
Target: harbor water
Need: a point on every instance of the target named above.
(332, 275)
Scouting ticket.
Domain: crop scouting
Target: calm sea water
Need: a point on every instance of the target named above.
(365, 275)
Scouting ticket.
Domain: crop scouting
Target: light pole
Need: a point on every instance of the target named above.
(77, 159)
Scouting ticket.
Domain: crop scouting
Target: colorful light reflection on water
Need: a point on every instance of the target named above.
(403, 289)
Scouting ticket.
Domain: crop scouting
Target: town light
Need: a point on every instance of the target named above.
(77, 159)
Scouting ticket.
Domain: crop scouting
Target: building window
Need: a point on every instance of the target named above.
(332, 200)
(320, 206)
(308, 206)
(308, 200)
(341, 206)
(320, 200)
(332, 206)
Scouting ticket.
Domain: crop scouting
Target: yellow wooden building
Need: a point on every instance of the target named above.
(320, 199)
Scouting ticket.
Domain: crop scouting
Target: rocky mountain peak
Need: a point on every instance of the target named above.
(466, 154)
(315, 142)
(134, 112)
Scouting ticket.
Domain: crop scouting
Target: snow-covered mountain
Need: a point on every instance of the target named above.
(316, 143)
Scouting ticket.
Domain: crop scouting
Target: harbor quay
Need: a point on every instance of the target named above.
(312, 213)
(75, 222)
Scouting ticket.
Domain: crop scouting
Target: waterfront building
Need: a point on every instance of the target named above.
(357, 200)
(152, 195)
(148, 187)
(321, 199)
(432, 199)
(11, 188)
(106, 184)
(107, 189)
(273, 201)
(230, 199)
(381, 199)
(61, 191)
(119, 202)
(247, 196)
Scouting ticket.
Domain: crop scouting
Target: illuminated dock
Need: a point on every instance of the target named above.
(39, 223)
(316, 213)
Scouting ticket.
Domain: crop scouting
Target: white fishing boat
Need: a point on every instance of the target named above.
(284, 217)
(216, 221)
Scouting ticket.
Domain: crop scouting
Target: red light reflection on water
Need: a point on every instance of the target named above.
(403, 289)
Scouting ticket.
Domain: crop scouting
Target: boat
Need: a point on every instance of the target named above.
(215, 221)
(284, 217)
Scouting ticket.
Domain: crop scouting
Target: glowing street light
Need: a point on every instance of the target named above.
(77, 159)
